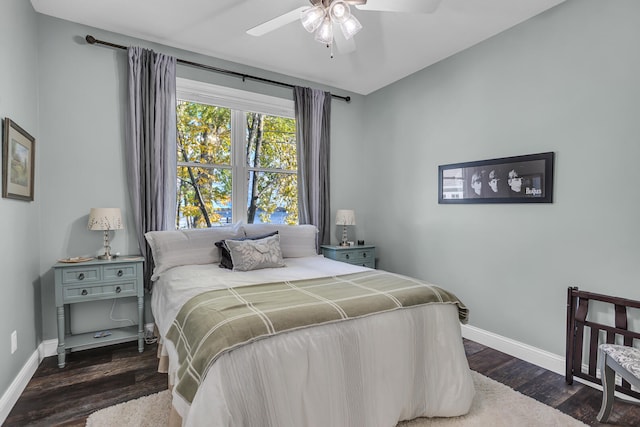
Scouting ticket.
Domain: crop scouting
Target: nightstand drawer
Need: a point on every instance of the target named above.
(76, 293)
(370, 264)
(355, 256)
(123, 271)
(364, 256)
(81, 275)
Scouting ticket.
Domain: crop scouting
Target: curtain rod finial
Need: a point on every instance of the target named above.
(90, 39)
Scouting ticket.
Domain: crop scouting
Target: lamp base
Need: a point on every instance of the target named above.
(107, 248)
(344, 236)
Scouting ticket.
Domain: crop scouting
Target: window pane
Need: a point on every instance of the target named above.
(273, 198)
(204, 197)
(204, 133)
(205, 164)
(271, 142)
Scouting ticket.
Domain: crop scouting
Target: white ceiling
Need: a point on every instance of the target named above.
(389, 47)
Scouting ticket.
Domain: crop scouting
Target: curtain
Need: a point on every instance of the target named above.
(151, 145)
(313, 121)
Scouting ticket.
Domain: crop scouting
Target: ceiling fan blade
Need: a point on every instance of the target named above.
(277, 22)
(343, 45)
(412, 6)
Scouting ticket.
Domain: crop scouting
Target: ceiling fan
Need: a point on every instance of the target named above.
(324, 16)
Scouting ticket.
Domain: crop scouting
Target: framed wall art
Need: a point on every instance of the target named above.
(18, 162)
(519, 179)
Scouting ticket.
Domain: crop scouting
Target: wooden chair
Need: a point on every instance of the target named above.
(620, 359)
(584, 336)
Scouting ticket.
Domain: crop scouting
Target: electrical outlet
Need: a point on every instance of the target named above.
(14, 341)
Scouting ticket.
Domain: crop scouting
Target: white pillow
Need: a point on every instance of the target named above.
(184, 247)
(295, 240)
(255, 254)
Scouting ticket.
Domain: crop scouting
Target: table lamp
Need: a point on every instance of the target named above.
(345, 217)
(105, 219)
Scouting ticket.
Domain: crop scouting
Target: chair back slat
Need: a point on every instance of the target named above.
(584, 336)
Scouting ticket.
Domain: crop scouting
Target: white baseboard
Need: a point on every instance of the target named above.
(11, 395)
(538, 357)
(49, 348)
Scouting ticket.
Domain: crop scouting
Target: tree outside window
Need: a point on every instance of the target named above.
(222, 165)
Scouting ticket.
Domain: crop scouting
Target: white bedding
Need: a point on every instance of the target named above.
(372, 371)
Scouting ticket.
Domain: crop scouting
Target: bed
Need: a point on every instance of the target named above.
(375, 364)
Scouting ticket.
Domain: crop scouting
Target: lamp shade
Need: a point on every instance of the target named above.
(345, 217)
(105, 219)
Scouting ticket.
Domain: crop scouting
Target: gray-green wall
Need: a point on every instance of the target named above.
(566, 81)
(71, 97)
(19, 221)
(83, 99)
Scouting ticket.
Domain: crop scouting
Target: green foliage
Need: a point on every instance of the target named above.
(204, 165)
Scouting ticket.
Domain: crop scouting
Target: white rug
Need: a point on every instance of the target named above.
(494, 405)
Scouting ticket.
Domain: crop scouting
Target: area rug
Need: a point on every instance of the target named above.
(494, 405)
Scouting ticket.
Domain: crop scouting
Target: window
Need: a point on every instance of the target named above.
(236, 157)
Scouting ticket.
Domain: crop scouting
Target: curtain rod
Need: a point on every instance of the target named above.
(92, 40)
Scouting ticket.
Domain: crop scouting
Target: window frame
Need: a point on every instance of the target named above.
(239, 102)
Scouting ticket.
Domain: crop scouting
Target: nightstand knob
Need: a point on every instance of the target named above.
(84, 292)
(118, 289)
(364, 254)
(120, 273)
(81, 276)
(346, 256)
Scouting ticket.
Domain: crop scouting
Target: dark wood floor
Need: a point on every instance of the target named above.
(95, 379)
(91, 380)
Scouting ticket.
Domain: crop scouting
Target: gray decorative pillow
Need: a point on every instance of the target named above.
(225, 256)
(255, 254)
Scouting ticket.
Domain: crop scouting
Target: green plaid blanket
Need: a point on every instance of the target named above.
(217, 321)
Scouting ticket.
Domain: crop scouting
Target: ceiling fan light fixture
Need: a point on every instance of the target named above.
(324, 34)
(312, 18)
(350, 27)
(339, 12)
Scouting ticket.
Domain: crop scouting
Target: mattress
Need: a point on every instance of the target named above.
(371, 371)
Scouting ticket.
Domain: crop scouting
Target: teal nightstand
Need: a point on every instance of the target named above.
(92, 281)
(364, 255)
